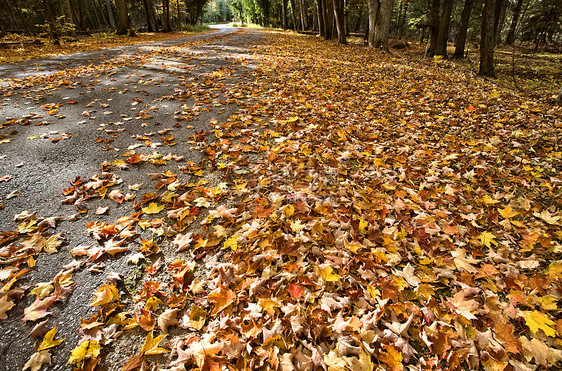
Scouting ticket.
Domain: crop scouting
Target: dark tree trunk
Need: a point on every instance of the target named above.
(328, 15)
(123, 22)
(110, 14)
(402, 19)
(103, 16)
(304, 22)
(96, 18)
(559, 99)
(463, 29)
(50, 17)
(359, 18)
(149, 24)
(166, 15)
(443, 33)
(338, 14)
(152, 14)
(373, 15)
(510, 39)
(382, 26)
(320, 11)
(487, 36)
(434, 6)
(499, 19)
(294, 14)
(284, 13)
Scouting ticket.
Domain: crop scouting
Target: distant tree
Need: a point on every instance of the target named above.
(510, 38)
(487, 39)
(440, 47)
(543, 24)
(382, 25)
(339, 17)
(463, 29)
(123, 21)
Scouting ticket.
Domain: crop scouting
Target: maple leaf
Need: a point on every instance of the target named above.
(542, 353)
(508, 212)
(295, 291)
(167, 318)
(37, 360)
(5, 305)
(487, 239)
(105, 294)
(38, 309)
(548, 218)
(221, 299)
(48, 341)
(150, 346)
(197, 317)
(86, 349)
(153, 208)
(463, 306)
(182, 241)
(539, 321)
(325, 272)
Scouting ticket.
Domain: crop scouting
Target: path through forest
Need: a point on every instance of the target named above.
(270, 200)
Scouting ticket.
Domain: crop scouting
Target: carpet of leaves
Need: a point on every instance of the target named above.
(358, 211)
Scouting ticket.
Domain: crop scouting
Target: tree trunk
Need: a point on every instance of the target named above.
(166, 15)
(510, 39)
(50, 17)
(110, 14)
(443, 33)
(149, 24)
(320, 11)
(284, 13)
(96, 18)
(382, 27)
(104, 19)
(499, 19)
(328, 19)
(123, 22)
(294, 14)
(338, 14)
(434, 6)
(67, 11)
(402, 19)
(487, 36)
(303, 8)
(152, 14)
(463, 29)
(373, 15)
(559, 99)
(359, 17)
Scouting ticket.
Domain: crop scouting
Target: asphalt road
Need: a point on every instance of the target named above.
(54, 132)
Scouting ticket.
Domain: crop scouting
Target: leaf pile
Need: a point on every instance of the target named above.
(357, 211)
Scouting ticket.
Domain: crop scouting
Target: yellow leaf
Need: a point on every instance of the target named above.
(42, 289)
(153, 208)
(353, 246)
(268, 306)
(488, 239)
(105, 294)
(221, 299)
(152, 303)
(5, 305)
(325, 272)
(231, 243)
(197, 317)
(488, 201)
(288, 211)
(508, 212)
(87, 349)
(539, 321)
(555, 270)
(363, 226)
(151, 347)
(49, 341)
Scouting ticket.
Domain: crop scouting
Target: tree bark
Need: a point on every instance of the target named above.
(284, 13)
(559, 99)
(434, 6)
(338, 14)
(382, 27)
(303, 8)
(510, 39)
(50, 17)
(320, 11)
(402, 19)
(373, 15)
(149, 24)
(487, 36)
(443, 32)
(123, 22)
(294, 14)
(328, 15)
(166, 15)
(96, 18)
(463, 29)
(110, 14)
(499, 19)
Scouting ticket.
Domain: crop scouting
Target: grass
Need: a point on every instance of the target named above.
(18, 48)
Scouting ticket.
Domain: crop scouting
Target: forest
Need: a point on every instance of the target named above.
(438, 23)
